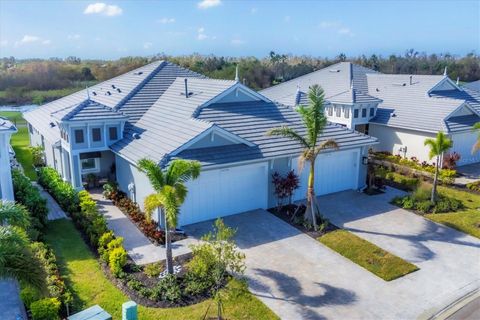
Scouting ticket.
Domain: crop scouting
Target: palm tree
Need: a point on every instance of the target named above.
(476, 146)
(314, 119)
(170, 193)
(16, 259)
(437, 148)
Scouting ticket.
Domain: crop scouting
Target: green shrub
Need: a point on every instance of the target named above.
(423, 192)
(117, 260)
(153, 270)
(409, 182)
(38, 156)
(45, 309)
(28, 295)
(475, 186)
(102, 245)
(424, 206)
(62, 191)
(168, 289)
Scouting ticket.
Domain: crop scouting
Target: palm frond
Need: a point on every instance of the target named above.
(151, 203)
(153, 172)
(289, 133)
(171, 205)
(181, 170)
(439, 145)
(327, 144)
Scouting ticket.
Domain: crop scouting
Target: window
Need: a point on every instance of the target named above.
(355, 113)
(364, 113)
(372, 112)
(347, 113)
(96, 134)
(330, 111)
(79, 136)
(90, 165)
(112, 133)
(338, 111)
(30, 129)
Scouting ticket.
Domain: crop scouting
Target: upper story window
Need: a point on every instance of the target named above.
(346, 112)
(338, 111)
(372, 112)
(112, 133)
(96, 134)
(330, 111)
(364, 113)
(355, 113)
(79, 136)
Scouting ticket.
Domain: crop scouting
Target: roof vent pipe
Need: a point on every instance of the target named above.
(297, 95)
(236, 74)
(411, 81)
(458, 81)
(186, 88)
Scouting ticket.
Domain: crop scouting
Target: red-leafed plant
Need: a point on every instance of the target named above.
(285, 186)
(450, 160)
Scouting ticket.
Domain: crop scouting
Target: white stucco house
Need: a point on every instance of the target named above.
(6, 187)
(401, 111)
(162, 112)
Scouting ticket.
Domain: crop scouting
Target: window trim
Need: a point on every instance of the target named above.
(356, 113)
(90, 170)
(338, 111)
(364, 112)
(346, 113)
(330, 111)
(76, 137)
(99, 134)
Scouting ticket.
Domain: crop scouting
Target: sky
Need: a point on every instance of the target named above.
(113, 29)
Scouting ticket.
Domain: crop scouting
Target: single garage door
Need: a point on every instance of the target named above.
(222, 192)
(462, 144)
(334, 172)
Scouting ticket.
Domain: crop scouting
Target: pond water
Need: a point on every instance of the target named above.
(22, 108)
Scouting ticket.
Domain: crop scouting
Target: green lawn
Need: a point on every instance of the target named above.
(21, 143)
(90, 286)
(466, 220)
(376, 260)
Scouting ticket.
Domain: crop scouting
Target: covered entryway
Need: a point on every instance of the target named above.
(462, 144)
(222, 192)
(334, 171)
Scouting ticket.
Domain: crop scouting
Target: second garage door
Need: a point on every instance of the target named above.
(335, 171)
(222, 192)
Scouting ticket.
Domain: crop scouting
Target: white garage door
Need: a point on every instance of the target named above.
(335, 171)
(462, 144)
(218, 193)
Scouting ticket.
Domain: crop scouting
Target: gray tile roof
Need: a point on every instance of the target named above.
(335, 79)
(251, 121)
(475, 85)
(352, 96)
(88, 110)
(6, 125)
(462, 123)
(410, 106)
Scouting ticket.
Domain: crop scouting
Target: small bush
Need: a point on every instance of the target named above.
(168, 288)
(424, 206)
(45, 309)
(475, 186)
(153, 270)
(28, 295)
(62, 191)
(117, 260)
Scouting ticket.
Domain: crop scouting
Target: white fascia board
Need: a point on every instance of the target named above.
(445, 79)
(464, 104)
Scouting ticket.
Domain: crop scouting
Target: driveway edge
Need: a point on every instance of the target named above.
(453, 307)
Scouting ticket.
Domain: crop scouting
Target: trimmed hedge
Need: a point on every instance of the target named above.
(419, 200)
(45, 309)
(409, 183)
(62, 191)
(29, 196)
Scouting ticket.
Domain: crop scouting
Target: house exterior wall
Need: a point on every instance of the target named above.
(208, 141)
(462, 144)
(6, 186)
(392, 139)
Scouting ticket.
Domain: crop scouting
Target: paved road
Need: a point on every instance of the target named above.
(469, 312)
(299, 278)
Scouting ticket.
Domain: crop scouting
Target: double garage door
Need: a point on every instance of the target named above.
(334, 172)
(222, 192)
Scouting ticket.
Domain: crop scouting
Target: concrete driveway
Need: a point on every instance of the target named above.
(299, 278)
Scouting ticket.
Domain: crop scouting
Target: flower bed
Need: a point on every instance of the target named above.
(416, 167)
(419, 201)
(131, 209)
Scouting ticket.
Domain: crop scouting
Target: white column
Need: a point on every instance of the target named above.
(5, 171)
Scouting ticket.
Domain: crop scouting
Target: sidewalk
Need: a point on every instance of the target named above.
(11, 307)
(138, 246)
(54, 210)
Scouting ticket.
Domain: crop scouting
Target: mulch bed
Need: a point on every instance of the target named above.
(286, 214)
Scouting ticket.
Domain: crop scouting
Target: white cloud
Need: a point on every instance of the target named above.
(237, 42)
(253, 10)
(166, 20)
(73, 37)
(205, 4)
(104, 9)
(337, 26)
(202, 36)
(147, 45)
(29, 39)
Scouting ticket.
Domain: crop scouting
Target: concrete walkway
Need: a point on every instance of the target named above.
(469, 173)
(11, 307)
(54, 210)
(138, 246)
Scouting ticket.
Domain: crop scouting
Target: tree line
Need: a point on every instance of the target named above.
(47, 79)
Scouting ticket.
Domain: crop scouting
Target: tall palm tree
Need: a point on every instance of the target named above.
(476, 146)
(16, 259)
(170, 193)
(437, 146)
(314, 119)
